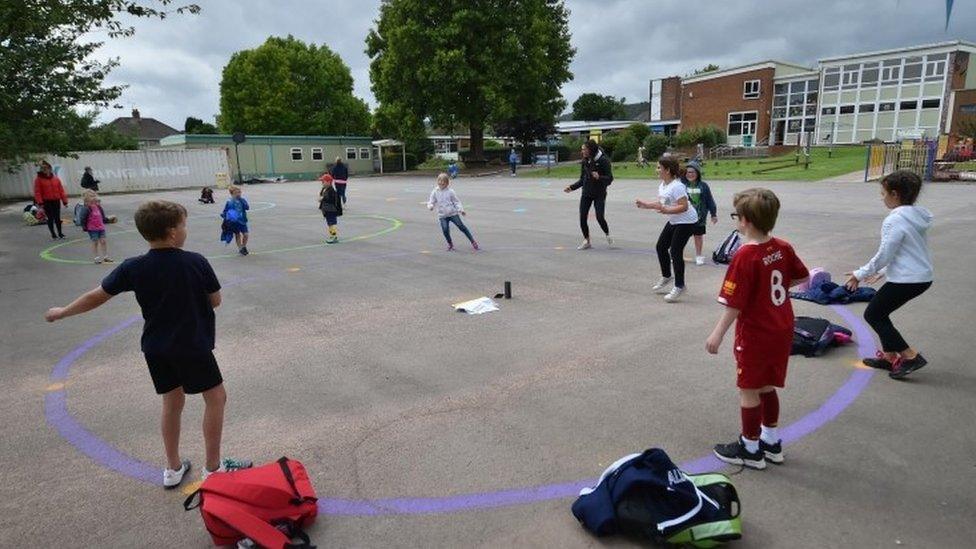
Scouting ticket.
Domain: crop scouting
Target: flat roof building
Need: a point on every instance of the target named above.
(301, 157)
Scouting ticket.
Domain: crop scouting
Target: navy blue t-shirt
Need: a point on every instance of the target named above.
(173, 289)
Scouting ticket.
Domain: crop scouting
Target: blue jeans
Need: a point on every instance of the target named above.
(446, 228)
(341, 191)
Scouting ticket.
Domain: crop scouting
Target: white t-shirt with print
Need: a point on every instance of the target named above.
(669, 195)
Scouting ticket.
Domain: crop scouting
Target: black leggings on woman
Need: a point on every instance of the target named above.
(671, 249)
(889, 298)
(599, 204)
(52, 209)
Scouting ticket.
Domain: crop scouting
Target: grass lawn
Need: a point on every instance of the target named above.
(843, 160)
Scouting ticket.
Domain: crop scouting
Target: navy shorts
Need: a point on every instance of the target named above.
(195, 373)
(96, 235)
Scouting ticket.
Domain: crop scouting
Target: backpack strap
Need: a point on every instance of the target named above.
(286, 471)
(254, 528)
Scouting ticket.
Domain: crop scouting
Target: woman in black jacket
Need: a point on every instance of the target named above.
(595, 176)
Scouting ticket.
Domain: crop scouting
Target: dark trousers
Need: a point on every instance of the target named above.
(889, 298)
(341, 191)
(671, 249)
(52, 209)
(600, 205)
(446, 228)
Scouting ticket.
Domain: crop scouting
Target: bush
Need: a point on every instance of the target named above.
(492, 145)
(619, 146)
(708, 136)
(639, 131)
(655, 146)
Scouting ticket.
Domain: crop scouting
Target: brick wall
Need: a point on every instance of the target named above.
(671, 98)
(710, 101)
(963, 97)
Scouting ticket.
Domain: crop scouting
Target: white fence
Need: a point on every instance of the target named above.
(120, 171)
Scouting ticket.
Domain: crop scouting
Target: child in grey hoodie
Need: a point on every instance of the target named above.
(903, 257)
(449, 210)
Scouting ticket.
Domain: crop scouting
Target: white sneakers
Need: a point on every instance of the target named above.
(584, 246)
(662, 285)
(173, 478)
(699, 260)
(674, 294)
(609, 241)
(228, 464)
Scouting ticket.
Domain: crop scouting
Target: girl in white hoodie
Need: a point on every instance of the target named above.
(449, 210)
(903, 257)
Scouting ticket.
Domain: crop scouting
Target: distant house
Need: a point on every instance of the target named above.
(147, 131)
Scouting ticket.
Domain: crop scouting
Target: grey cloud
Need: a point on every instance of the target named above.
(173, 67)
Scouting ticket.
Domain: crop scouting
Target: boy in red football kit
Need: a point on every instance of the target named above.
(756, 297)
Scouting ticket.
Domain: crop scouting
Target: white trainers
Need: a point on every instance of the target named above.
(662, 285)
(674, 294)
(98, 260)
(584, 246)
(172, 479)
(609, 241)
(699, 260)
(227, 465)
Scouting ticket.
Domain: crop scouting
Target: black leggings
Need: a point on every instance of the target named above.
(889, 298)
(671, 248)
(599, 204)
(52, 209)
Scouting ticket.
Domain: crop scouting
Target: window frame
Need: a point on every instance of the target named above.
(364, 153)
(753, 94)
(318, 151)
(301, 154)
(353, 157)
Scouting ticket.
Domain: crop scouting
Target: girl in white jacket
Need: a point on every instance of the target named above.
(903, 257)
(449, 210)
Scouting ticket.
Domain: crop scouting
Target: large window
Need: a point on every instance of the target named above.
(913, 70)
(869, 75)
(850, 77)
(797, 103)
(935, 68)
(890, 71)
(743, 123)
(750, 89)
(831, 79)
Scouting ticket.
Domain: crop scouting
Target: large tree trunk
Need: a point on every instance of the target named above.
(476, 156)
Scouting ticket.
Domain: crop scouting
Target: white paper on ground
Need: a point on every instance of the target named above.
(477, 306)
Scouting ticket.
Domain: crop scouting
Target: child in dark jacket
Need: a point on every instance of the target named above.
(93, 219)
(700, 196)
(330, 203)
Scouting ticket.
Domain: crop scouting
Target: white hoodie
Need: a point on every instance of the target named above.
(446, 202)
(903, 255)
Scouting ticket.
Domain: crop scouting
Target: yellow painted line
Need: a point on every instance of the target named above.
(425, 251)
(54, 387)
(294, 269)
(392, 199)
(559, 248)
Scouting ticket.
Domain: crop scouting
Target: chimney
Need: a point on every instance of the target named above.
(135, 113)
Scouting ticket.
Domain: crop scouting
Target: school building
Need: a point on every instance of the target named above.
(904, 93)
(295, 157)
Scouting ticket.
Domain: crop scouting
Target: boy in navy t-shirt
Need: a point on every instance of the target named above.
(177, 292)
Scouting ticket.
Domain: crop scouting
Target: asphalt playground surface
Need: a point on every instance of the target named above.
(425, 427)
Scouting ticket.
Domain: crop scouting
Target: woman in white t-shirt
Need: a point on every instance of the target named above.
(673, 202)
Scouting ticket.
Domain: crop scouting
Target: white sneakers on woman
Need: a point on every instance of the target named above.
(674, 294)
(662, 285)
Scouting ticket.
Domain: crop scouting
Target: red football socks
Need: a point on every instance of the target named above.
(769, 402)
(751, 421)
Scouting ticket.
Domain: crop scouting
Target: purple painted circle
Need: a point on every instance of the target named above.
(88, 443)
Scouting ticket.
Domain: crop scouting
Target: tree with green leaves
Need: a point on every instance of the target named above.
(48, 73)
(472, 63)
(593, 106)
(711, 67)
(288, 87)
(197, 126)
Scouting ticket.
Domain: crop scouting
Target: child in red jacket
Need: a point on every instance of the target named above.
(49, 194)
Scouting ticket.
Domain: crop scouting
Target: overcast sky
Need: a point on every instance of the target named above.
(173, 67)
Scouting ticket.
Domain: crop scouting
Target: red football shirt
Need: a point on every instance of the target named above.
(757, 284)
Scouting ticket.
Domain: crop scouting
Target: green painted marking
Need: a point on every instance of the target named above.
(48, 253)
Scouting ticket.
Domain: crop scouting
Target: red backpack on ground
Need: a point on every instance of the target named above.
(253, 503)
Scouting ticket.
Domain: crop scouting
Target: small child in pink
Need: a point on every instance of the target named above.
(93, 222)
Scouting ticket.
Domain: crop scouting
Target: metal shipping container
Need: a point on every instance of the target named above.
(121, 171)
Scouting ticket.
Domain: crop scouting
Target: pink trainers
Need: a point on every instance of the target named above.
(450, 247)
(475, 245)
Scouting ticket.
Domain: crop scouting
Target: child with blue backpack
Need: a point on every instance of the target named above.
(235, 218)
